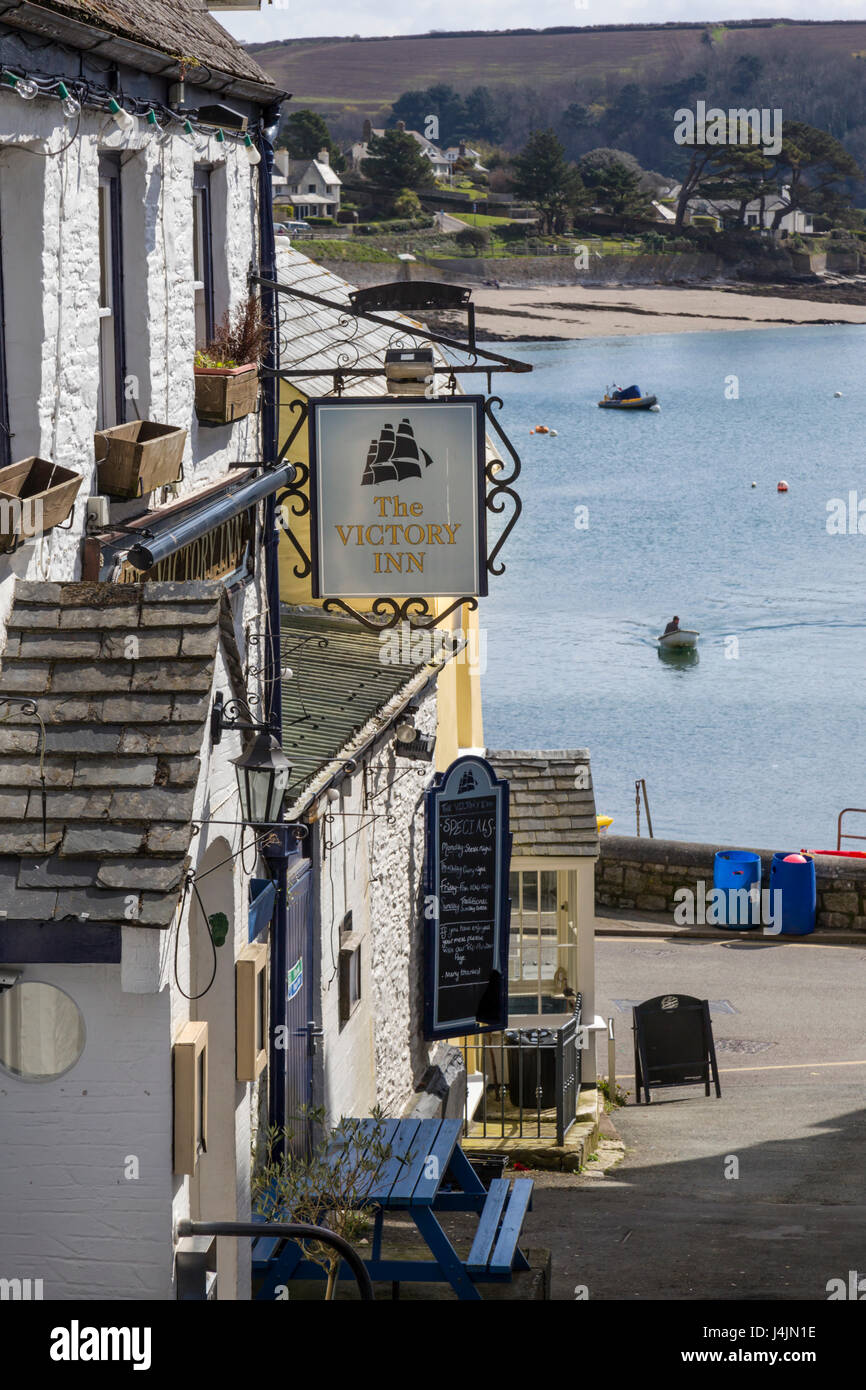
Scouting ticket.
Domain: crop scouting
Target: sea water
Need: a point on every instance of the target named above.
(761, 741)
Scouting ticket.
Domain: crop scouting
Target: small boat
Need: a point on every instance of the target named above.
(630, 403)
(684, 639)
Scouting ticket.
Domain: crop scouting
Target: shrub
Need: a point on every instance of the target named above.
(478, 238)
(407, 204)
(237, 340)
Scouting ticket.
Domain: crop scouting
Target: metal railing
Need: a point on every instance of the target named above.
(280, 1230)
(856, 810)
(531, 1077)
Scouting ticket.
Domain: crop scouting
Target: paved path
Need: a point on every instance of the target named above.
(666, 1222)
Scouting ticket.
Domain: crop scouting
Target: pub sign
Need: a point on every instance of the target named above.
(467, 908)
(397, 497)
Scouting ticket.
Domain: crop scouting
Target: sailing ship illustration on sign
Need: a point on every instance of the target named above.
(395, 457)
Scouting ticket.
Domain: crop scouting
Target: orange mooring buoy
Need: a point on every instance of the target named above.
(782, 486)
(542, 429)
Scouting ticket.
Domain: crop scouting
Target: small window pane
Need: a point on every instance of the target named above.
(41, 1031)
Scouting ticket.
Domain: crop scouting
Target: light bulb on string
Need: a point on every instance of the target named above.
(70, 106)
(253, 154)
(24, 86)
(153, 125)
(122, 119)
(221, 139)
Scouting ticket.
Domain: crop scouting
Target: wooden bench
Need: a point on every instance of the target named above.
(495, 1253)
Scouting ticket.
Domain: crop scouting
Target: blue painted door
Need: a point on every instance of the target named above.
(300, 1038)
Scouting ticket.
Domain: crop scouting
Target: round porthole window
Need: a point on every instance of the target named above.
(41, 1031)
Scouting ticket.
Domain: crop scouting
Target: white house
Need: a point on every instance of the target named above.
(133, 600)
(441, 163)
(310, 185)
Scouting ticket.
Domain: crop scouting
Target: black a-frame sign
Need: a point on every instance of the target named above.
(673, 1044)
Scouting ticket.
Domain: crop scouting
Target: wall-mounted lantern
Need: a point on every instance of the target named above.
(262, 770)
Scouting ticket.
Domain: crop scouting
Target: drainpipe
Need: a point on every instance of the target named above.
(278, 854)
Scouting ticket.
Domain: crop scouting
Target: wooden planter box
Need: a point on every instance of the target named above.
(224, 394)
(138, 457)
(35, 496)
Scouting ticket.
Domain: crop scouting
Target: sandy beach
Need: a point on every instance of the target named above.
(571, 311)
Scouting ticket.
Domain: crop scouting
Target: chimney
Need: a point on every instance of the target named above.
(323, 156)
(368, 132)
(401, 125)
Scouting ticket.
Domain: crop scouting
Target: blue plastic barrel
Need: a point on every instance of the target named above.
(796, 883)
(736, 871)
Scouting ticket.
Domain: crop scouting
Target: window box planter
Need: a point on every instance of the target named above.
(136, 458)
(224, 394)
(35, 496)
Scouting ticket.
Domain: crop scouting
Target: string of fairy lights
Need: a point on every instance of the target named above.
(128, 113)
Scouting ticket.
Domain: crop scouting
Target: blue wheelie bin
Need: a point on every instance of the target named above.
(796, 883)
(736, 871)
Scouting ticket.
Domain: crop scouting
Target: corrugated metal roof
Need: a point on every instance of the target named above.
(340, 690)
(321, 336)
(318, 335)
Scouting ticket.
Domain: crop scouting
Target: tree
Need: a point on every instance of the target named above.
(305, 134)
(617, 189)
(544, 178)
(809, 166)
(602, 158)
(395, 162)
(804, 174)
(478, 238)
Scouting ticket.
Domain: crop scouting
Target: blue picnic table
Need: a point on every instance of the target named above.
(426, 1173)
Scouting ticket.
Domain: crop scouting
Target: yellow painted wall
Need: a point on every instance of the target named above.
(459, 684)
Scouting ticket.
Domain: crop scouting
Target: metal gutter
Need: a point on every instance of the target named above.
(87, 38)
(144, 555)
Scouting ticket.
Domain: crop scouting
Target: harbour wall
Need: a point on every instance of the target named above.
(644, 874)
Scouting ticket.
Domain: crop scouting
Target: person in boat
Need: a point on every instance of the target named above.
(673, 626)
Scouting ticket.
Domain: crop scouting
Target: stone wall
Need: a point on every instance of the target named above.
(375, 871)
(644, 874)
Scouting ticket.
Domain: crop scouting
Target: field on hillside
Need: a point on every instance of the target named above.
(342, 76)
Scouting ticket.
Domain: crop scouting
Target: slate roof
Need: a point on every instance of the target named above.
(122, 675)
(550, 815)
(173, 27)
(340, 695)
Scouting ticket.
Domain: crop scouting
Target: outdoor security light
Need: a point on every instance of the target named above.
(263, 773)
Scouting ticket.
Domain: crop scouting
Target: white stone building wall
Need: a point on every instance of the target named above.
(50, 227)
(70, 1216)
(378, 874)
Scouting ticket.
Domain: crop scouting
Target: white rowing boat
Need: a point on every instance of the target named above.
(684, 639)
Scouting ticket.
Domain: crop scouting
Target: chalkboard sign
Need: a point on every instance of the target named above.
(467, 908)
(673, 1044)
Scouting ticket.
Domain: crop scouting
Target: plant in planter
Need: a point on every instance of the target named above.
(226, 369)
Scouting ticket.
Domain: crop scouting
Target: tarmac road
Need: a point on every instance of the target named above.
(666, 1222)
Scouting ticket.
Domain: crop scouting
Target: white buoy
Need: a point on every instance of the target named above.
(838, 395)
(754, 484)
(554, 433)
